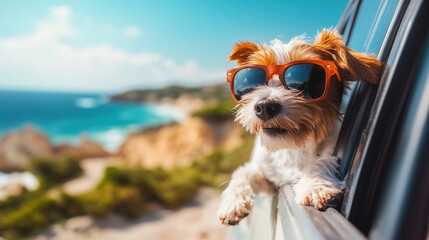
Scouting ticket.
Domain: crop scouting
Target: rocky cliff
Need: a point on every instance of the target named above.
(17, 149)
(178, 144)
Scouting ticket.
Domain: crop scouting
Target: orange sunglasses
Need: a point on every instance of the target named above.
(310, 77)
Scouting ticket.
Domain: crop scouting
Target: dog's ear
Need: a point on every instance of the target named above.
(242, 51)
(352, 65)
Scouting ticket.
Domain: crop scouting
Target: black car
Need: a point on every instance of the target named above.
(383, 145)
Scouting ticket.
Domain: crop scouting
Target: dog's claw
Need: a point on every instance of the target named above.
(318, 199)
(236, 204)
(234, 219)
(229, 222)
(232, 222)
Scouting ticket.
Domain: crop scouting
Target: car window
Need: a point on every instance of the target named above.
(386, 11)
(401, 211)
(345, 23)
(369, 30)
(377, 41)
(371, 158)
(357, 39)
(363, 25)
(369, 33)
(373, 31)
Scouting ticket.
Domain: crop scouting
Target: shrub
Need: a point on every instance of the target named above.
(122, 191)
(32, 217)
(12, 203)
(39, 211)
(52, 172)
(110, 198)
(169, 187)
(220, 111)
(176, 187)
(216, 168)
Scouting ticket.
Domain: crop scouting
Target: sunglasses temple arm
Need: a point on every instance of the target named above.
(337, 74)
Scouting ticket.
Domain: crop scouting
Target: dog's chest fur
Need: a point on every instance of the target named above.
(288, 165)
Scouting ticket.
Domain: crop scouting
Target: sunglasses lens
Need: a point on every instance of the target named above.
(308, 79)
(247, 79)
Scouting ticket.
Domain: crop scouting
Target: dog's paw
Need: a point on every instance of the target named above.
(235, 205)
(317, 197)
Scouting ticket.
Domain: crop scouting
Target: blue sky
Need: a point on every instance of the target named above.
(111, 46)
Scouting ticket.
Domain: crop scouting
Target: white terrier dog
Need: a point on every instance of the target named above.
(289, 95)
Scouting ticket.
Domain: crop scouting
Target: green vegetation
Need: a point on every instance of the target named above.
(37, 213)
(220, 111)
(122, 191)
(126, 201)
(172, 188)
(216, 168)
(52, 172)
(173, 92)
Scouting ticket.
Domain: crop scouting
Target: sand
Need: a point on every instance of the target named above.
(93, 169)
(196, 220)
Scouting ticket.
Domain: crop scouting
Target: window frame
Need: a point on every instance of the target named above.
(364, 181)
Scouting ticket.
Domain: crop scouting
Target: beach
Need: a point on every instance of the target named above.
(196, 220)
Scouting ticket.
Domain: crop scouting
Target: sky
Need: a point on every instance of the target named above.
(113, 46)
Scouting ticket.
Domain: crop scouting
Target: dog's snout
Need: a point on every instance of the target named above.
(267, 109)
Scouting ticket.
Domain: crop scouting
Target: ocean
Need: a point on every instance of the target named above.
(66, 117)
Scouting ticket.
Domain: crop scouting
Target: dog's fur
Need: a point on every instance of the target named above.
(302, 156)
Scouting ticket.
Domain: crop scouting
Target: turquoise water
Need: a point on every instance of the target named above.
(66, 117)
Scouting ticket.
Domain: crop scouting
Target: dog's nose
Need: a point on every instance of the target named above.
(267, 109)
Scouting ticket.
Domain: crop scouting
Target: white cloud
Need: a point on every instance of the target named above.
(45, 59)
(131, 32)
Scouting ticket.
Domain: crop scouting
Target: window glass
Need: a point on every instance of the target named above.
(371, 25)
(363, 24)
(345, 22)
(381, 26)
(369, 31)
(358, 37)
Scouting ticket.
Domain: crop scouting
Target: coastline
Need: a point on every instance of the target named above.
(190, 139)
(111, 140)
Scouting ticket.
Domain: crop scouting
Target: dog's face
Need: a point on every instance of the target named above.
(286, 118)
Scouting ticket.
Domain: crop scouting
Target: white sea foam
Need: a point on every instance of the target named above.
(86, 102)
(110, 139)
(169, 111)
(26, 179)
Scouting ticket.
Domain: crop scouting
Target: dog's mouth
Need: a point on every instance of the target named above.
(273, 131)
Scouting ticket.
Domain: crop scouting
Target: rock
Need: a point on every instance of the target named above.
(11, 190)
(168, 146)
(85, 149)
(18, 148)
(178, 144)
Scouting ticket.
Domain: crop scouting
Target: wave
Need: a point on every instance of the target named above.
(26, 179)
(169, 111)
(65, 118)
(111, 139)
(85, 102)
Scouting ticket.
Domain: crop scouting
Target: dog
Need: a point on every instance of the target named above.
(289, 95)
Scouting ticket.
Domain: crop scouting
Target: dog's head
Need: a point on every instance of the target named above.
(295, 107)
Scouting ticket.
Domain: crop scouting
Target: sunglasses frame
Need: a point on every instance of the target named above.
(329, 66)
